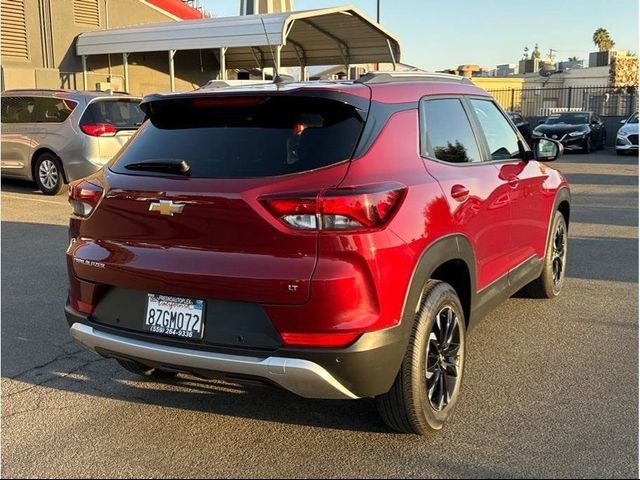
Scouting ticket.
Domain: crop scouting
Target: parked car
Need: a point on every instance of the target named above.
(627, 138)
(583, 131)
(521, 124)
(338, 240)
(53, 137)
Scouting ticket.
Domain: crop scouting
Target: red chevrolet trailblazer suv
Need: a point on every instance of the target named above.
(335, 239)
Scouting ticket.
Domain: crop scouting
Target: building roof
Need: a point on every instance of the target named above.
(313, 37)
(177, 9)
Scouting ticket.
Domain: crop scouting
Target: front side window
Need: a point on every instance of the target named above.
(18, 109)
(501, 138)
(446, 131)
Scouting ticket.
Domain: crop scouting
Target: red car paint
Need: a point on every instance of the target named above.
(228, 245)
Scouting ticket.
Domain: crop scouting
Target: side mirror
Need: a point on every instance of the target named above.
(623, 121)
(540, 122)
(547, 150)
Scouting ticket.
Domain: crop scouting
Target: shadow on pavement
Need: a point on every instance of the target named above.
(21, 186)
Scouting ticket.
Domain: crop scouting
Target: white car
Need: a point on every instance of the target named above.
(627, 139)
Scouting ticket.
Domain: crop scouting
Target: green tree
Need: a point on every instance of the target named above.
(602, 39)
(573, 59)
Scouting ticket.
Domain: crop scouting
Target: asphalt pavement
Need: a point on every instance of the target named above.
(551, 387)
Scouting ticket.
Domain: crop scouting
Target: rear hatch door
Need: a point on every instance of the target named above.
(222, 243)
(123, 117)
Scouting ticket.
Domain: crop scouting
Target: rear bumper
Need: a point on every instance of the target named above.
(299, 376)
(365, 369)
(79, 168)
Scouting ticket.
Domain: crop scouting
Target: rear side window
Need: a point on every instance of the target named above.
(446, 131)
(18, 109)
(122, 113)
(245, 137)
(501, 138)
(53, 110)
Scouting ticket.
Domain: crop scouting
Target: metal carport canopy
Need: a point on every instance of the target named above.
(330, 36)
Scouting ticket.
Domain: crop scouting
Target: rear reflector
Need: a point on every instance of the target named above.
(84, 196)
(80, 306)
(99, 129)
(322, 340)
(361, 208)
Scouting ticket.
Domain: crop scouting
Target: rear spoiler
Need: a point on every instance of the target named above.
(218, 96)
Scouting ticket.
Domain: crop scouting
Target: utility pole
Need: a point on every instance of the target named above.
(378, 12)
(552, 54)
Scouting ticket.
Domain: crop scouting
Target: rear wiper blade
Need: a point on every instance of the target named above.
(168, 166)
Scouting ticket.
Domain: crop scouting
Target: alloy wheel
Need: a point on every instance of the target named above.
(559, 255)
(48, 174)
(443, 358)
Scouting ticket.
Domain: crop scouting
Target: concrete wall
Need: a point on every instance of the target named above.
(587, 77)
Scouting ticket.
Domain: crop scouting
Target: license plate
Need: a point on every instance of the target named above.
(174, 316)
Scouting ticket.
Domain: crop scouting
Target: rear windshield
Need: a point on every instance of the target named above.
(245, 137)
(122, 113)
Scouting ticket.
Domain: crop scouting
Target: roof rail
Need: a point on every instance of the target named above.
(409, 76)
(37, 90)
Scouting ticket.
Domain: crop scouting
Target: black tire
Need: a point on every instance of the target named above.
(549, 283)
(408, 406)
(587, 145)
(144, 371)
(48, 174)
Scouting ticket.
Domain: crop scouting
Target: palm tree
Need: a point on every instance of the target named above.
(573, 59)
(602, 40)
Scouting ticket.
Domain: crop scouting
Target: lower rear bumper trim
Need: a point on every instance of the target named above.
(302, 377)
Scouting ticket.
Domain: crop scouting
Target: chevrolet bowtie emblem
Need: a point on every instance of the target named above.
(166, 207)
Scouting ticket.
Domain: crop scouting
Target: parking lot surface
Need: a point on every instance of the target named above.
(551, 387)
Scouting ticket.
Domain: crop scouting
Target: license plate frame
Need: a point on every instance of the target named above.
(177, 317)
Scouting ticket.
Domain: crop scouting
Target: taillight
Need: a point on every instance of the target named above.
(99, 129)
(320, 340)
(367, 207)
(84, 196)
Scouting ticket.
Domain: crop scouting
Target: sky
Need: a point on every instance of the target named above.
(435, 35)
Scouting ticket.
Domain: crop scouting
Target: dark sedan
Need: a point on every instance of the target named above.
(582, 131)
(521, 124)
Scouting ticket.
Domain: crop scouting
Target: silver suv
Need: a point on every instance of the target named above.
(56, 136)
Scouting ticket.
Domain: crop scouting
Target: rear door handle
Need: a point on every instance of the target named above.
(459, 192)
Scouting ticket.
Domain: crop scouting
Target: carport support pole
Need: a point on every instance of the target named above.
(125, 68)
(85, 82)
(223, 64)
(303, 73)
(276, 70)
(172, 73)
